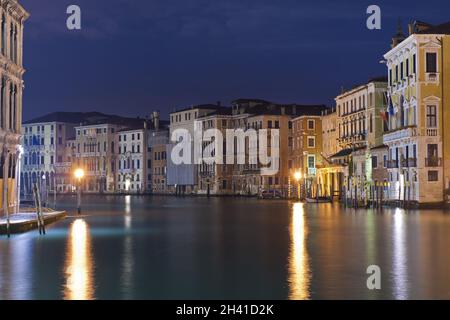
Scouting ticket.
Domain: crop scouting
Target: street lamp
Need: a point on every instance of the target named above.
(79, 174)
(298, 177)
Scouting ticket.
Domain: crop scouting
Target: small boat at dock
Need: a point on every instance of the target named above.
(318, 200)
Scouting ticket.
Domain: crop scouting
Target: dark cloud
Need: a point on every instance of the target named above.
(135, 55)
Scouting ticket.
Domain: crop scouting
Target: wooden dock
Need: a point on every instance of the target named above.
(26, 221)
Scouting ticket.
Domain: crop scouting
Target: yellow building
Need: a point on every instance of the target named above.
(360, 132)
(419, 151)
(331, 175)
(306, 155)
(329, 133)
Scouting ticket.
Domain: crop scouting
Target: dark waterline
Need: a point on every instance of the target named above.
(189, 248)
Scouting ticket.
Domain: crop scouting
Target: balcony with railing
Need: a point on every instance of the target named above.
(34, 167)
(392, 164)
(400, 133)
(409, 163)
(433, 162)
(431, 132)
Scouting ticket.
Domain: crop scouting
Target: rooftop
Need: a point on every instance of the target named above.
(91, 118)
(443, 28)
(201, 106)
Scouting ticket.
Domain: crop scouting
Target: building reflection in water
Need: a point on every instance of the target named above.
(16, 272)
(128, 258)
(299, 268)
(22, 275)
(79, 263)
(399, 259)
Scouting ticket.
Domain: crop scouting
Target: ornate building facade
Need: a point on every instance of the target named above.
(12, 18)
(418, 69)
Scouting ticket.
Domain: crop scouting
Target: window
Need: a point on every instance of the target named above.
(401, 70)
(311, 162)
(431, 62)
(277, 124)
(407, 67)
(269, 124)
(414, 63)
(431, 117)
(433, 175)
(432, 151)
(385, 161)
(311, 124)
(311, 142)
(374, 162)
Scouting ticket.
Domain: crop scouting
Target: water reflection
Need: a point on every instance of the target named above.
(16, 271)
(399, 259)
(128, 258)
(299, 269)
(128, 212)
(79, 265)
(22, 272)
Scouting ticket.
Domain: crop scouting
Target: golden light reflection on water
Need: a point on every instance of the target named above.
(400, 261)
(79, 264)
(299, 269)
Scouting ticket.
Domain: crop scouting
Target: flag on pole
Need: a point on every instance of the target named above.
(390, 105)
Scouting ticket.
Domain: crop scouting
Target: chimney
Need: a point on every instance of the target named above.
(155, 120)
(410, 28)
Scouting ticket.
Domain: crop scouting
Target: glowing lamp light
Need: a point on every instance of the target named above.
(298, 175)
(79, 174)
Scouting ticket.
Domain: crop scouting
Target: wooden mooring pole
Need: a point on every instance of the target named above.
(37, 201)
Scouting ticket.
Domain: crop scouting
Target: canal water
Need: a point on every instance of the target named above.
(224, 248)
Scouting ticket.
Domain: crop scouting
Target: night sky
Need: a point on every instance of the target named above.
(135, 56)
